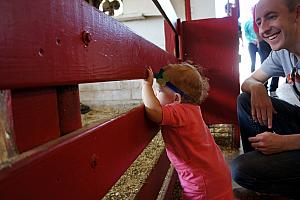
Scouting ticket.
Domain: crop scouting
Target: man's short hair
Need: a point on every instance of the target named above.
(291, 4)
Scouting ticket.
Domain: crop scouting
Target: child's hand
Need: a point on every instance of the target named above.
(149, 79)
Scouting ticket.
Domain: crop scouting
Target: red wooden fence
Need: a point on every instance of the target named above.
(47, 48)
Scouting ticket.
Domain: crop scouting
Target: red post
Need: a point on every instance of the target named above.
(35, 117)
(68, 109)
(188, 16)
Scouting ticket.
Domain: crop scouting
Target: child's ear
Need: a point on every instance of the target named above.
(177, 98)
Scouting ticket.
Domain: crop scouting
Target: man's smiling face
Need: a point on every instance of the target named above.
(277, 25)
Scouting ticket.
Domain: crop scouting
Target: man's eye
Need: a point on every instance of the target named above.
(258, 22)
(272, 17)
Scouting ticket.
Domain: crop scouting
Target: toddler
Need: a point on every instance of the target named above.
(201, 167)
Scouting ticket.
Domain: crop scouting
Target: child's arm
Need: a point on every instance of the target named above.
(152, 105)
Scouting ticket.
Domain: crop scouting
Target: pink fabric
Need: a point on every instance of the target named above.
(202, 169)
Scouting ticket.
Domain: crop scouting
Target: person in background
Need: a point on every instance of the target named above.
(200, 164)
(252, 42)
(270, 127)
(228, 9)
(264, 50)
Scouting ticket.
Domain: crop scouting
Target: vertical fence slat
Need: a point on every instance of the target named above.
(68, 108)
(35, 117)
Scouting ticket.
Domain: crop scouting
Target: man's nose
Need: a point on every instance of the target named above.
(264, 28)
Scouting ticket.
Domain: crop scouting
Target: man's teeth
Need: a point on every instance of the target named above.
(272, 37)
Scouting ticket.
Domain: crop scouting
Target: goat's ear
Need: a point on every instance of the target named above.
(177, 98)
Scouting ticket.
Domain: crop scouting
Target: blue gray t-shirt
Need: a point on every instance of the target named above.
(279, 63)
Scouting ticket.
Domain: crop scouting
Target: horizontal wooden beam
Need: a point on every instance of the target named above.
(155, 180)
(81, 165)
(69, 42)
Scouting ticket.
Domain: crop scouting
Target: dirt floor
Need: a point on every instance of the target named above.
(130, 183)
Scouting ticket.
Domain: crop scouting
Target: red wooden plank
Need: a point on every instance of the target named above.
(188, 15)
(68, 109)
(44, 47)
(81, 165)
(35, 117)
(154, 182)
(218, 55)
(169, 39)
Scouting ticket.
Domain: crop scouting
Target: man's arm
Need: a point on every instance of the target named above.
(261, 105)
(152, 104)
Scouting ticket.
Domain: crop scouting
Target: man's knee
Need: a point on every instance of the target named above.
(242, 173)
(237, 169)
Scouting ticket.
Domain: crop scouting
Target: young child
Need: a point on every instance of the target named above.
(202, 170)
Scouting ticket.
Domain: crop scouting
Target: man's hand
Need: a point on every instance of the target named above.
(261, 105)
(268, 142)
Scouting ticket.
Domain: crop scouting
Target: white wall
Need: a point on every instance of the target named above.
(115, 93)
(179, 6)
(201, 9)
(146, 7)
(151, 28)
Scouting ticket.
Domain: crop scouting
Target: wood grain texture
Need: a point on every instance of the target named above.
(43, 46)
(80, 165)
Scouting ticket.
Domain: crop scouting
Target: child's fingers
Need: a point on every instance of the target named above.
(149, 72)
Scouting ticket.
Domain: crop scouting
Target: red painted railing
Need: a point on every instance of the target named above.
(47, 48)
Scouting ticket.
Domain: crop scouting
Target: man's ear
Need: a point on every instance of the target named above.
(177, 98)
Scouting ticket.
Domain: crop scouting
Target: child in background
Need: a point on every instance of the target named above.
(200, 164)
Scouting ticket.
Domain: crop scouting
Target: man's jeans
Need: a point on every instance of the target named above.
(277, 173)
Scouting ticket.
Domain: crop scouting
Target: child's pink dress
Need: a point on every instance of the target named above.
(202, 169)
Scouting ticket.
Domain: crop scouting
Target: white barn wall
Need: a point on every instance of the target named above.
(201, 9)
(151, 28)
